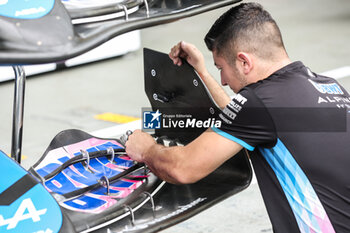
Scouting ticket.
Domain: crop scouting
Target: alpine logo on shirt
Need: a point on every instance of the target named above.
(327, 88)
(333, 94)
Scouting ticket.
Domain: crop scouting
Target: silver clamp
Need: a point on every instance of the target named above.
(131, 214)
(152, 201)
(128, 132)
(110, 151)
(124, 138)
(86, 156)
(105, 183)
(125, 9)
(147, 9)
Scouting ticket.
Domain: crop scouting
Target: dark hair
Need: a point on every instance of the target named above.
(246, 26)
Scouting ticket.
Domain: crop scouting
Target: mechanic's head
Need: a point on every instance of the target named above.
(242, 39)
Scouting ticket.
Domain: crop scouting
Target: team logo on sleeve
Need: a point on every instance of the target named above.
(240, 99)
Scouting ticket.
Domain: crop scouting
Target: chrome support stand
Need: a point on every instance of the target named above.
(18, 110)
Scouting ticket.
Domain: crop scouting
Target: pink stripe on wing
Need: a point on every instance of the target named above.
(114, 167)
(87, 144)
(75, 183)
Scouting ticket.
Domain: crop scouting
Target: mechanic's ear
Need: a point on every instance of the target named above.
(245, 62)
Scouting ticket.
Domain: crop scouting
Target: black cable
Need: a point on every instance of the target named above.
(80, 158)
(113, 178)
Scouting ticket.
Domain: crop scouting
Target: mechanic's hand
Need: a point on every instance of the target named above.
(189, 52)
(138, 143)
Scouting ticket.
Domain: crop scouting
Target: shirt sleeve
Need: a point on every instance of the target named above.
(247, 121)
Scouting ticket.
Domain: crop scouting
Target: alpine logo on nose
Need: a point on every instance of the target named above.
(30, 11)
(3, 2)
(26, 210)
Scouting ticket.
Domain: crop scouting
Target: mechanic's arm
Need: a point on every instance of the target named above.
(182, 164)
(195, 58)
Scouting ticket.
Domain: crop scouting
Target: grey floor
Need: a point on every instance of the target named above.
(316, 32)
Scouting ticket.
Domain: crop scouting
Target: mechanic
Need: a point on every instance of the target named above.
(295, 122)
